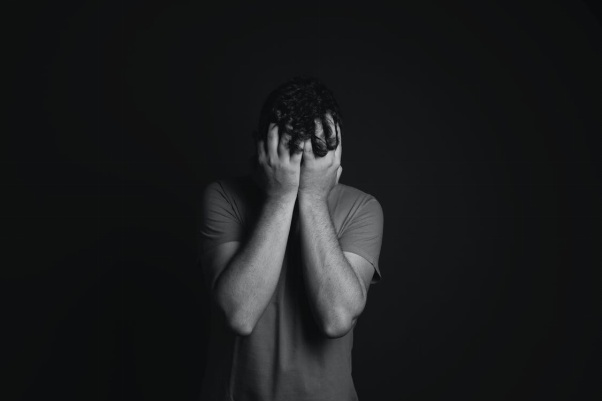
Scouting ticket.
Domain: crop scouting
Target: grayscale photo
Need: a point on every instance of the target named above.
(379, 201)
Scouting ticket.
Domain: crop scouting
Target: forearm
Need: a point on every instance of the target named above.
(246, 285)
(335, 293)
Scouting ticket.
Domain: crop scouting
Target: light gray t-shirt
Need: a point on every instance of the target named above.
(286, 357)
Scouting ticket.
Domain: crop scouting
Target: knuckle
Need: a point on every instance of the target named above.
(277, 162)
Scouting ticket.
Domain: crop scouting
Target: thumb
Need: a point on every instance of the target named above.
(308, 152)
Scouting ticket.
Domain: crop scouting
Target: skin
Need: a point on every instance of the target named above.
(337, 282)
(244, 276)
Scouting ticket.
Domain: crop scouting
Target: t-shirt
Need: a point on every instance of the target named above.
(286, 356)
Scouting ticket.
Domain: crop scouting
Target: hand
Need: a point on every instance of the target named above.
(279, 171)
(320, 175)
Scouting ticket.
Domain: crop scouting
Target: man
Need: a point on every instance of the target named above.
(289, 254)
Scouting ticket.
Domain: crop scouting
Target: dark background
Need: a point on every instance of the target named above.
(475, 125)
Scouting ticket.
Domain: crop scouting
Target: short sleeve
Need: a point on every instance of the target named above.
(219, 222)
(363, 235)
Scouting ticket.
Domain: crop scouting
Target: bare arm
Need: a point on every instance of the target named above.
(245, 286)
(245, 277)
(337, 282)
(337, 295)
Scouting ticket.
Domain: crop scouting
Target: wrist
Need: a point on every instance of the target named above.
(308, 198)
(282, 198)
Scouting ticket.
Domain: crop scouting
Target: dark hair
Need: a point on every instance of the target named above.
(294, 107)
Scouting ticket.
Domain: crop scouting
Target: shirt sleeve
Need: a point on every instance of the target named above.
(363, 235)
(219, 222)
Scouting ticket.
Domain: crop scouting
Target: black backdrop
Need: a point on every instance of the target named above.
(475, 125)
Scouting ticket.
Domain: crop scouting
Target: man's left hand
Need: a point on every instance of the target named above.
(319, 175)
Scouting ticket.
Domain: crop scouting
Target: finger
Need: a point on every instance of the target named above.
(272, 151)
(296, 157)
(308, 152)
(339, 149)
(319, 130)
(261, 155)
(283, 151)
(331, 154)
(322, 126)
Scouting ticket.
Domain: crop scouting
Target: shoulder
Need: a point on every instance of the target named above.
(237, 194)
(231, 188)
(354, 198)
(352, 206)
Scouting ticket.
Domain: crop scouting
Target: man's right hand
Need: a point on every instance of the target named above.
(279, 171)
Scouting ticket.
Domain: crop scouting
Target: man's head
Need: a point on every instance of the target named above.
(299, 107)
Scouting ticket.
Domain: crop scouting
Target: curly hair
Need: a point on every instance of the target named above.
(294, 107)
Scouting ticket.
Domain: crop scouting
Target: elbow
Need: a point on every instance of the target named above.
(342, 322)
(240, 323)
(337, 328)
(240, 328)
(237, 320)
